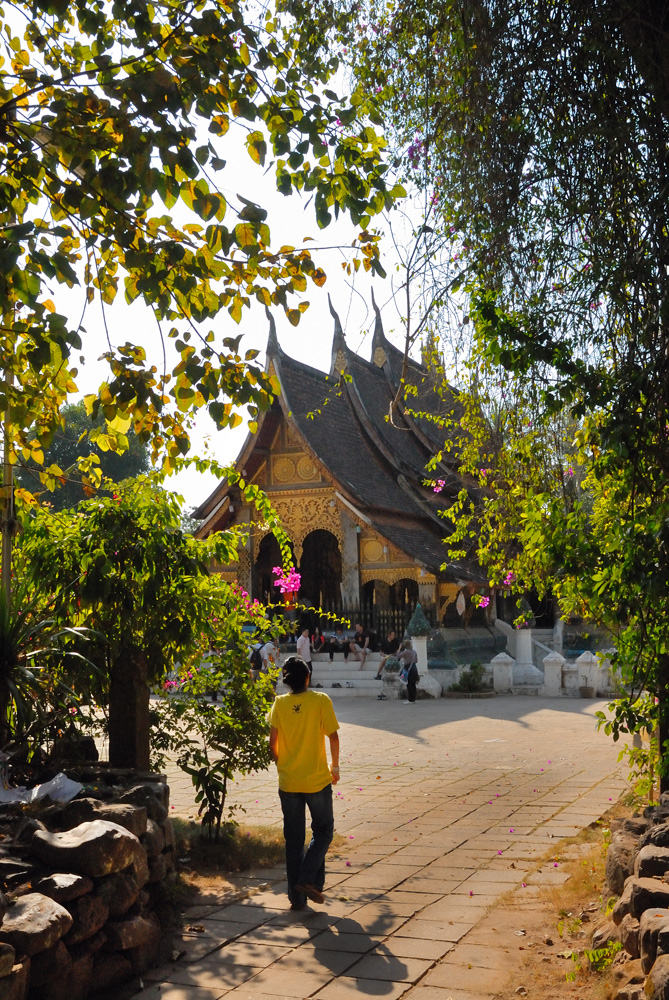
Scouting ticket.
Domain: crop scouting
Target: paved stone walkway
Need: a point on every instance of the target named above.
(446, 807)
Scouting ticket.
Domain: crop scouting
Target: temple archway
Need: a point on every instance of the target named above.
(321, 571)
(404, 595)
(269, 556)
(376, 595)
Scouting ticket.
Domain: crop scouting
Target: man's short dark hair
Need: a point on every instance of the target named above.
(295, 673)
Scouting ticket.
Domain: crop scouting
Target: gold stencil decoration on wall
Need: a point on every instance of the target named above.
(389, 576)
(283, 470)
(306, 470)
(372, 551)
(300, 515)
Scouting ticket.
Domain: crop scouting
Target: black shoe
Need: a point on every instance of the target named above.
(314, 894)
(298, 906)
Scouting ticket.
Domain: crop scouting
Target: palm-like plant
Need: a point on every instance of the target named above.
(35, 652)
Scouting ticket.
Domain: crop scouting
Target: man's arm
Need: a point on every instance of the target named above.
(274, 744)
(334, 756)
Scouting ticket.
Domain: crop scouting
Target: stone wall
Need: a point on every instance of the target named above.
(85, 900)
(637, 870)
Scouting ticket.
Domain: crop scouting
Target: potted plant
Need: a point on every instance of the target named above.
(585, 690)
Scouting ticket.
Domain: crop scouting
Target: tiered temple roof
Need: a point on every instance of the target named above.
(376, 467)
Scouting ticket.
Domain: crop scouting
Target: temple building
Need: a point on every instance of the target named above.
(352, 489)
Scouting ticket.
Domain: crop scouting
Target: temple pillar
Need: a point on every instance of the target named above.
(350, 577)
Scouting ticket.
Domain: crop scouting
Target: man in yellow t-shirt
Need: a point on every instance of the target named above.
(299, 722)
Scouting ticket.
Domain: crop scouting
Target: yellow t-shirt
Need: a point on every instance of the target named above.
(303, 721)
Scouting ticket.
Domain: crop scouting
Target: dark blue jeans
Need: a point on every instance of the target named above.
(306, 868)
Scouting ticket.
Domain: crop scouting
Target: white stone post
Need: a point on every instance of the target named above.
(524, 647)
(419, 643)
(502, 673)
(589, 672)
(525, 672)
(553, 664)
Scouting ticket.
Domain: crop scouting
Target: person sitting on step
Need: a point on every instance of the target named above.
(389, 647)
(338, 643)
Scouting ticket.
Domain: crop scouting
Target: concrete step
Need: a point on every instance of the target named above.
(339, 658)
(357, 691)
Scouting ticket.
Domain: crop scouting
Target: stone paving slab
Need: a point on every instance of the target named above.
(445, 811)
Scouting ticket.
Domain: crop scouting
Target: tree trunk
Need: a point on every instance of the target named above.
(662, 691)
(129, 711)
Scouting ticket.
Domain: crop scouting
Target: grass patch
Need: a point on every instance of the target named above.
(240, 847)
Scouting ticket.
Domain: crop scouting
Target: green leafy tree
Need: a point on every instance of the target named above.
(113, 121)
(541, 135)
(72, 442)
(123, 565)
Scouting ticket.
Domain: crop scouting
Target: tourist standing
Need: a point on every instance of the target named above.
(304, 648)
(299, 722)
(408, 658)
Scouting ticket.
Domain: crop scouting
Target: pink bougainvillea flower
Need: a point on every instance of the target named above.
(484, 602)
(439, 485)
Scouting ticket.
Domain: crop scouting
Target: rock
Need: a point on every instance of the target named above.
(143, 795)
(54, 963)
(76, 986)
(647, 893)
(430, 686)
(632, 991)
(651, 861)
(133, 818)
(140, 869)
(628, 933)
(133, 932)
(157, 868)
(7, 957)
(74, 813)
(23, 834)
(144, 956)
(96, 848)
(119, 892)
(64, 886)
(635, 824)
(658, 835)
(92, 945)
(604, 932)
(168, 833)
(657, 983)
(110, 970)
(89, 914)
(170, 860)
(80, 980)
(34, 924)
(4, 905)
(154, 839)
(13, 872)
(623, 905)
(620, 860)
(653, 921)
(15, 985)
